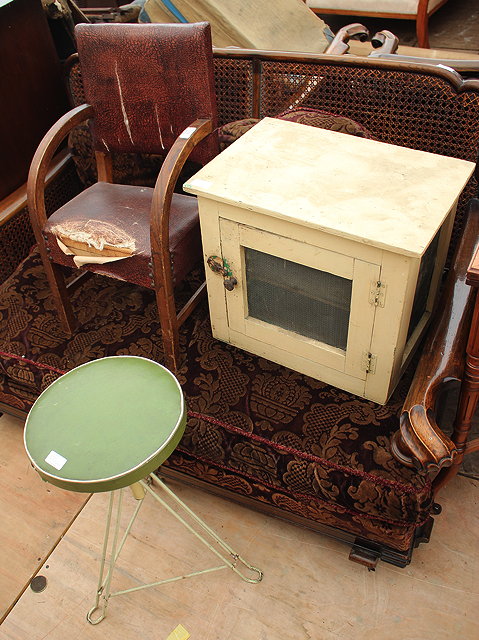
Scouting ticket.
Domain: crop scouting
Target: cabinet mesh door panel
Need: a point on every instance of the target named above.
(312, 303)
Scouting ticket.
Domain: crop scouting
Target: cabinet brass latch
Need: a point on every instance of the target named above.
(220, 265)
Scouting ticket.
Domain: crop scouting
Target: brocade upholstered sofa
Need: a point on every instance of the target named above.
(257, 432)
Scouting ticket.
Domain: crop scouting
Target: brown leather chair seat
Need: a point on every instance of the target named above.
(131, 205)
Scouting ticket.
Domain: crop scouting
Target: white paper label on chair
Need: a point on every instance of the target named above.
(187, 133)
(55, 460)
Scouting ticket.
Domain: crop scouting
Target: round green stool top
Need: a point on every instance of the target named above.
(105, 424)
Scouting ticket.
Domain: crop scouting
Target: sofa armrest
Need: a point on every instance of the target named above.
(420, 443)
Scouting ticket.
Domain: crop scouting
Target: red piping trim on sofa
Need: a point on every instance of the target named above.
(303, 496)
(35, 364)
(408, 489)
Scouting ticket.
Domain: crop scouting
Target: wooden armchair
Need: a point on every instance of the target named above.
(418, 10)
(149, 89)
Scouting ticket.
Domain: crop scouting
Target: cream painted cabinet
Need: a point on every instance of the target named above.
(324, 252)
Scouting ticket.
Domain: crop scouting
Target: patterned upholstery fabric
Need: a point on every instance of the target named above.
(325, 120)
(255, 428)
(231, 131)
(141, 169)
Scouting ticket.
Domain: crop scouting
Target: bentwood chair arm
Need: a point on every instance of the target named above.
(165, 184)
(42, 160)
(420, 442)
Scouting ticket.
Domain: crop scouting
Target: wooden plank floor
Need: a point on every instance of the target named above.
(34, 515)
(310, 591)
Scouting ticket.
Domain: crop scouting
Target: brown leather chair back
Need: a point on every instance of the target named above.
(147, 83)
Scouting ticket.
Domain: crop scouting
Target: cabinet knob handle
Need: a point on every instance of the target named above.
(220, 265)
(230, 283)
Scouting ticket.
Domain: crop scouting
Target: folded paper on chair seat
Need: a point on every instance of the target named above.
(93, 241)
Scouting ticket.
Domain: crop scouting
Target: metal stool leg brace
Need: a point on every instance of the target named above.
(140, 489)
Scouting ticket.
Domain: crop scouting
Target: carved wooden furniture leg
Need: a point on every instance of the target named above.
(60, 296)
(420, 442)
(422, 22)
(469, 393)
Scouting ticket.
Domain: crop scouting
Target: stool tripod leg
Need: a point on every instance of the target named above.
(236, 558)
(139, 490)
(103, 590)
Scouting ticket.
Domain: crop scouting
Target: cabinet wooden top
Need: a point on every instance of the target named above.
(376, 193)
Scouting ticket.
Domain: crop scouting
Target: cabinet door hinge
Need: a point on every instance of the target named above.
(369, 361)
(377, 293)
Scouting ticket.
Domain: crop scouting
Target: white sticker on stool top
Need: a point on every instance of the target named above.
(55, 460)
(187, 133)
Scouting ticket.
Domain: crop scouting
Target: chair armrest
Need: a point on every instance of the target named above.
(42, 160)
(420, 443)
(165, 183)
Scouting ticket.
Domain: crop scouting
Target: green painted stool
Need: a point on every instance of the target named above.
(109, 424)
